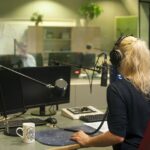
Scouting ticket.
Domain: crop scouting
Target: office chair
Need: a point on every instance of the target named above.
(39, 59)
(145, 143)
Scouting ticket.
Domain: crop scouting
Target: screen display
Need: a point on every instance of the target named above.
(11, 96)
(12, 61)
(36, 94)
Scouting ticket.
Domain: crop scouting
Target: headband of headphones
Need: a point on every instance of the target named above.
(115, 53)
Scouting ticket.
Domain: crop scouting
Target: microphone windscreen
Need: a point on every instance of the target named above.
(61, 83)
(60, 87)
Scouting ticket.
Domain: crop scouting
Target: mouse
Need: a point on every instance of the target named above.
(51, 120)
(84, 109)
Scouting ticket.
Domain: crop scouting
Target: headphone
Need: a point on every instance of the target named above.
(115, 54)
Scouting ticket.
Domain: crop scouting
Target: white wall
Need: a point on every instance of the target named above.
(80, 95)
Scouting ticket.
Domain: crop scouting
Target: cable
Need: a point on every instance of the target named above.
(20, 114)
(87, 75)
(89, 133)
(52, 110)
(95, 65)
(101, 124)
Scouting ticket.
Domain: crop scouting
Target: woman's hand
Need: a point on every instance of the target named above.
(81, 138)
(100, 140)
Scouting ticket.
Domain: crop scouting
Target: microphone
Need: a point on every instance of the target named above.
(60, 87)
(88, 46)
(104, 73)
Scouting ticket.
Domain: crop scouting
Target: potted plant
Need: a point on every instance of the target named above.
(90, 11)
(37, 18)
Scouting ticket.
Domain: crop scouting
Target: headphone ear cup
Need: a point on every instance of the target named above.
(115, 57)
(115, 54)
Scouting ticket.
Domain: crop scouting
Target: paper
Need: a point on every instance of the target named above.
(95, 125)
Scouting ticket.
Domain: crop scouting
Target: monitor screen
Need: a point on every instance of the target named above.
(74, 59)
(12, 61)
(35, 94)
(11, 98)
(88, 60)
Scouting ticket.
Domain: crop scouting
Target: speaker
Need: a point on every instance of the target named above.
(115, 53)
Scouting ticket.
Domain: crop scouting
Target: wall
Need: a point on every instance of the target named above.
(80, 95)
(144, 21)
(68, 9)
(131, 6)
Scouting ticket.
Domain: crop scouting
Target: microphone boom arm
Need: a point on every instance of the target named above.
(78, 66)
(97, 68)
(23, 75)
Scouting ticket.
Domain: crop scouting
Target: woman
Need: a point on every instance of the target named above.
(128, 98)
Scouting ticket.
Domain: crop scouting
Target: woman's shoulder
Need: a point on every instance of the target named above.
(121, 83)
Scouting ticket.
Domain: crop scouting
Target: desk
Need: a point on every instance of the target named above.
(15, 143)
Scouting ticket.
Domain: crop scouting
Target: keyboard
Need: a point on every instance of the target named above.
(18, 123)
(92, 118)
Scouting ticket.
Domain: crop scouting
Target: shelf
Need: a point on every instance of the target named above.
(62, 39)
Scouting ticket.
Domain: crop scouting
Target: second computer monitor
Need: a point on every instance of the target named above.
(11, 96)
(73, 59)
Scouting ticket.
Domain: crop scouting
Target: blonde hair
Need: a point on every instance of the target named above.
(135, 64)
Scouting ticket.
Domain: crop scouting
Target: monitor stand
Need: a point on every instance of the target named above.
(42, 112)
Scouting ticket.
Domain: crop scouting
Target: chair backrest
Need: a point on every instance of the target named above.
(145, 143)
(39, 59)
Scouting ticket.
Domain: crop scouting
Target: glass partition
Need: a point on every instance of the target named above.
(65, 38)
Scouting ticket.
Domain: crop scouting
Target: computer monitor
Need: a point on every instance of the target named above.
(88, 60)
(74, 59)
(38, 95)
(11, 96)
(11, 61)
